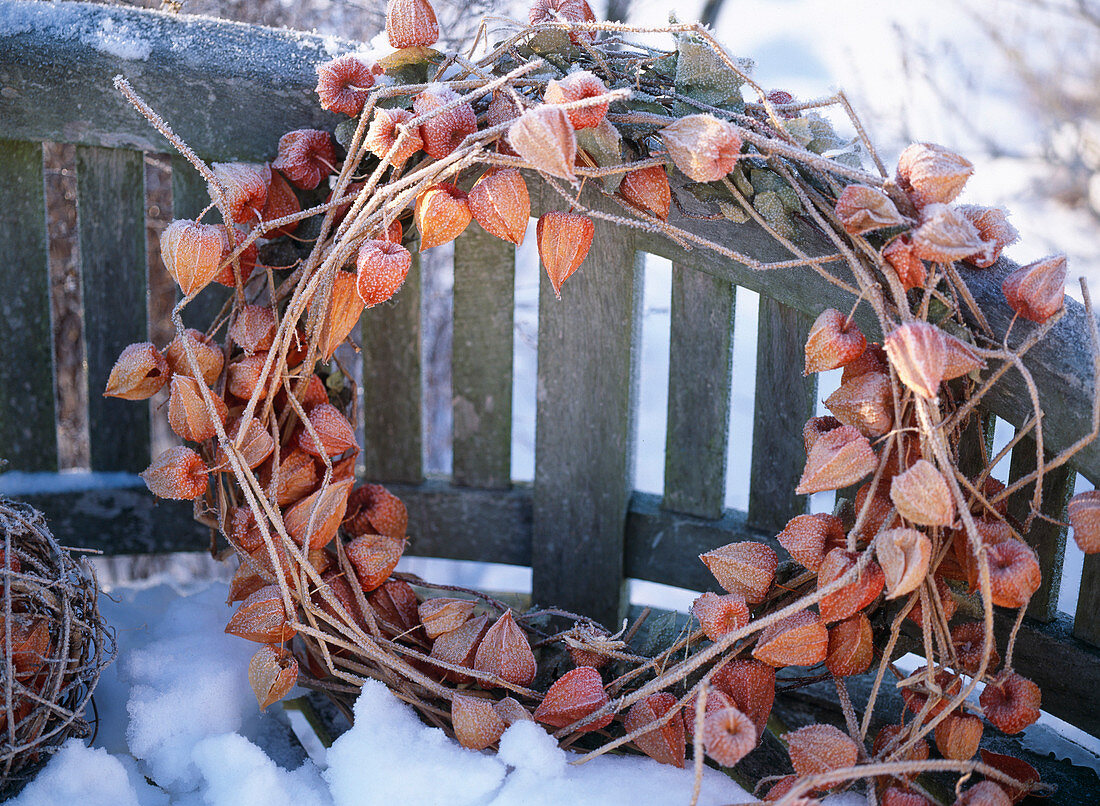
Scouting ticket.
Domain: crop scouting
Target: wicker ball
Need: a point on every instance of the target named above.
(55, 645)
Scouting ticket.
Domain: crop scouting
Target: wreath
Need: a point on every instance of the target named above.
(268, 413)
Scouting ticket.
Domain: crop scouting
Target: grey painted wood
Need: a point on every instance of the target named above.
(1086, 622)
(1046, 749)
(663, 546)
(111, 223)
(784, 402)
(471, 524)
(189, 198)
(583, 428)
(1048, 539)
(1067, 669)
(227, 89)
(464, 523)
(392, 385)
(1061, 365)
(700, 374)
(123, 520)
(481, 364)
(28, 428)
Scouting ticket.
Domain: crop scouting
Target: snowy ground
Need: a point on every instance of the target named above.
(176, 709)
(179, 725)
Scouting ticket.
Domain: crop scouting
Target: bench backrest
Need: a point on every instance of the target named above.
(228, 90)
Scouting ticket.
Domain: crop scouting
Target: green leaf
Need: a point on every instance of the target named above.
(605, 145)
(335, 381)
(737, 176)
(345, 131)
(768, 181)
(771, 207)
(640, 102)
(707, 192)
(660, 633)
(702, 75)
(411, 65)
(733, 211)
(546, 43)
(938, 313)
(799, 129)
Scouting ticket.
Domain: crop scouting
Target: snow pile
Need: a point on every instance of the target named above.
(89, 777)
(185, 685)
(391, 757)
(176, 709)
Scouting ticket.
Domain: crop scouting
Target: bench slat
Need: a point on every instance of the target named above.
(699, 385)
(111, 223)
(784, 401)
(189, 198)
(583, 429)
(1086, 622)
(28, 428)
(1048, 539)
(227, 89)
(1061, 364)
(484, 289)
(392, 385)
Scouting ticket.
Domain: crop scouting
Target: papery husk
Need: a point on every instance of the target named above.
(903, 555)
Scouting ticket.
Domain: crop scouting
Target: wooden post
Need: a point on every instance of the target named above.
(784, 401)
(392, 385)
(583, 432)
(1086, 622)
(1048, 539)
(111, 221)
(28, 425)
(481, 368)
(700, 374)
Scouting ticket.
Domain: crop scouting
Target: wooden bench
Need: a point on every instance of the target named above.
(229, 90)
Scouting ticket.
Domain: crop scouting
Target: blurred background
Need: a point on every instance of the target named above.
(1014, 85)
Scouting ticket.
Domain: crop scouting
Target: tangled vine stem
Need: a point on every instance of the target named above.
(787, 173)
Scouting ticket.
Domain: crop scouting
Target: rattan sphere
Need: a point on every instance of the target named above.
(55, 644)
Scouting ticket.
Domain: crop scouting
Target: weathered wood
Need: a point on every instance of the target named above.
(700, 374)
(227, 89)
(28, 428)
(663, 546)
(1048, 539)
(111, 222)
(189, 199)
(1086, 622)
(463, 523)
(1066, 669)
(392, 385)
(817, 702)
(784, 401)
(111, 512)
(583, 428)
(1061, 365)
(481, 363)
